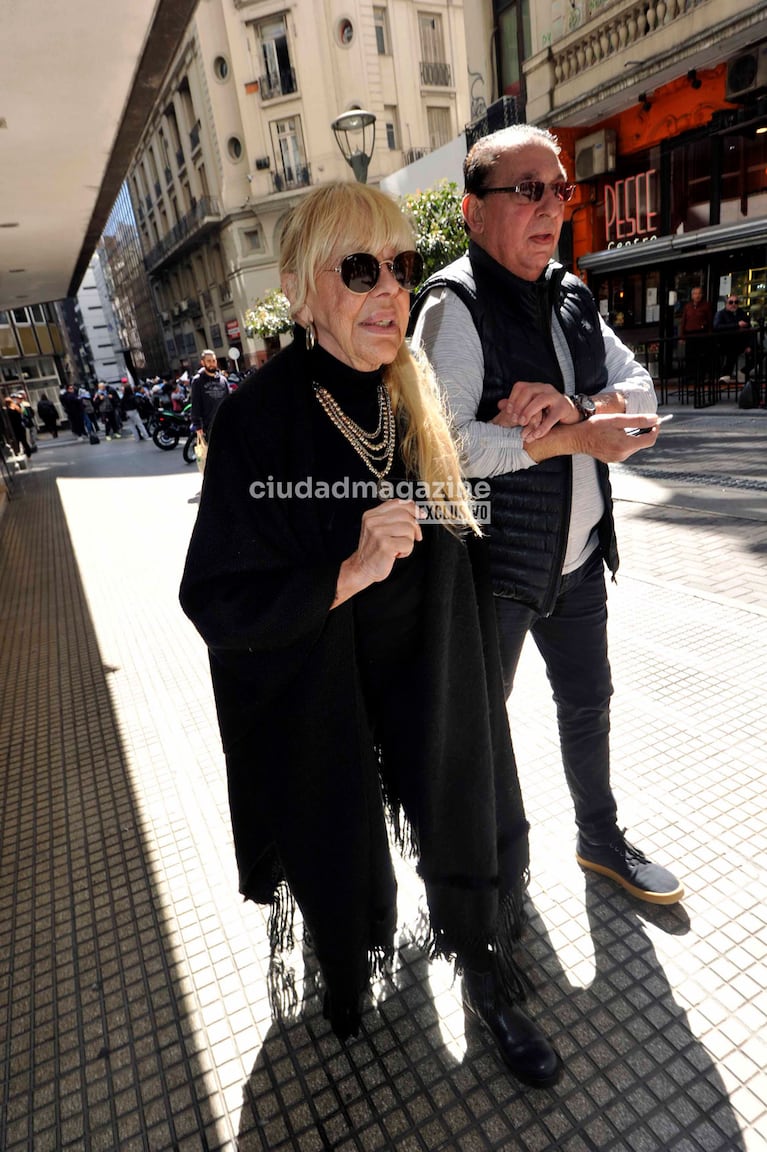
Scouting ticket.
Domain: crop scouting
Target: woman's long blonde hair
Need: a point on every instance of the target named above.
(367, 220)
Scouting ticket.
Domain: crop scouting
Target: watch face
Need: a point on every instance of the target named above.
(586, 405)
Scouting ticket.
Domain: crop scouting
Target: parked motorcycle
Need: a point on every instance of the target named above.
(170, 427)
(190, 456)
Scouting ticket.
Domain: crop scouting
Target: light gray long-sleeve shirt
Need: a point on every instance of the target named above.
(446, 332)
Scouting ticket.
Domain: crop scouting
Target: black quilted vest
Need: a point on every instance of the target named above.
(531, 508)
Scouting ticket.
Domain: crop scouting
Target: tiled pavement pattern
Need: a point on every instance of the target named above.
(134, 983)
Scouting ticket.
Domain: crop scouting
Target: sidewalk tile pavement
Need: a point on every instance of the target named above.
(139, 1009)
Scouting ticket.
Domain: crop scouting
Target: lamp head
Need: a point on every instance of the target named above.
(355, 136)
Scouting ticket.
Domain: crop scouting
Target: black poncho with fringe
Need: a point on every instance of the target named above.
(307, 779)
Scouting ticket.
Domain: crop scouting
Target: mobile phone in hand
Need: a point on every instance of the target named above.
(642, 431)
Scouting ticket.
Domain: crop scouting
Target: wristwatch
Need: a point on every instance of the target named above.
(585, 406)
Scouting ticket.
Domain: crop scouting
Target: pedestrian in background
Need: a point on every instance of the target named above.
(49, 417)
(542, 393)
(736, 338)
(696, 323)
(114, 396)
(130, 414)
(90, 417)
(106, 409)
(208, 389)
(16, 420)
(72, 405)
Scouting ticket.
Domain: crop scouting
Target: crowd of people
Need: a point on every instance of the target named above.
(119, 410)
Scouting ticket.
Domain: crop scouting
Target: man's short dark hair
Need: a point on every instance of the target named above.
(485, 154)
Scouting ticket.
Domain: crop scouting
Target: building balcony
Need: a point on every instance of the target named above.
(281, 84)
(180, 158)
(436, 75)
(501, 114)
(410, 155)
(623, 47)
(288, 178)
(225, 292)
(618, 26)
(190, 230)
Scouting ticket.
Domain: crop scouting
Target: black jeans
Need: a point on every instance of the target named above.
(573, 643)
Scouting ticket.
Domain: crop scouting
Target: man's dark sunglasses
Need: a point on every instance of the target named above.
(534, 189)
(360, 271)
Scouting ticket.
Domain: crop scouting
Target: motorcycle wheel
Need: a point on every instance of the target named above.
(189, 456)
(165, 440)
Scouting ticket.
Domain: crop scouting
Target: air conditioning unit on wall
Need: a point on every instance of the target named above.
(595, 154)
(747, 73)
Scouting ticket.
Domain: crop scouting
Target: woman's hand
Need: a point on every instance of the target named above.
(388, 532)
(535, 408)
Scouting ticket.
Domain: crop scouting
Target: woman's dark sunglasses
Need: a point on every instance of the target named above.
(534, 189)
(360, 271)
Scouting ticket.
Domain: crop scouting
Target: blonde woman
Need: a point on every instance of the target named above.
(335, 573)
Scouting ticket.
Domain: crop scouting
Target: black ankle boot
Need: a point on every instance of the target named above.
(524, 1048)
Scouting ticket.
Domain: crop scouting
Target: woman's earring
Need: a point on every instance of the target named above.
(311, 336)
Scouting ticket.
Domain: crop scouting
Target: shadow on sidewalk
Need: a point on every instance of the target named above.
(99, 1050)
(634, 1075)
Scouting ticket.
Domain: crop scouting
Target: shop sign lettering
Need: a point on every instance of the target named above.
(630, 215)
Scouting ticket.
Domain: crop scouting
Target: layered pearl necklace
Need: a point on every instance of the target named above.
(375, 449)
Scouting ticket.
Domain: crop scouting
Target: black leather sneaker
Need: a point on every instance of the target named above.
(524, 1048)
(626, 865)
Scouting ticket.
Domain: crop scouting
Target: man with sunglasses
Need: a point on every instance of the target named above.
(542, 394)
(733, 327)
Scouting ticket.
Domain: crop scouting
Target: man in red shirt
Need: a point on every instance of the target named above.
(697, 321)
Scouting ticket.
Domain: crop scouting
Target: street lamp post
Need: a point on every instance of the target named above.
(355, 134)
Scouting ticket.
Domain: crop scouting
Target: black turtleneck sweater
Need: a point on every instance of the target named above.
(386, 613)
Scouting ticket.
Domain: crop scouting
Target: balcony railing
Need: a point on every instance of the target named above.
(282, 84)
(501, 114)
(412, 154)
(289, 178)
(435, 74)
(205, 209)
(180, 158)
(194, 137)
(613, 27)
(206, 299)
(224, 292)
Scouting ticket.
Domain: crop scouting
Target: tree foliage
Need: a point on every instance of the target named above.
(269, 316)
(436, 214)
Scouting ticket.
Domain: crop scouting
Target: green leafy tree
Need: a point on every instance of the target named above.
(436, 214)
(269, 316)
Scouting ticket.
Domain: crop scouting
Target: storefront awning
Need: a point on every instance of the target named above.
(719, 238)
